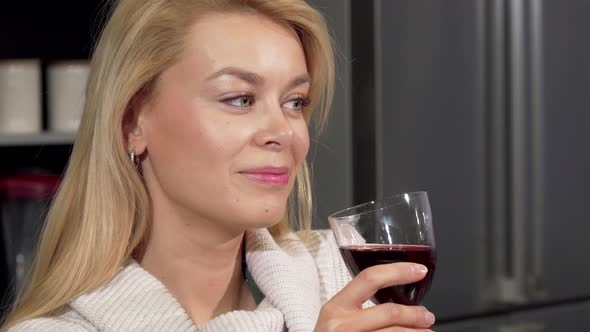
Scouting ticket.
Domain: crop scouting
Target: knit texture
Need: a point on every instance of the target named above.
(297, 275)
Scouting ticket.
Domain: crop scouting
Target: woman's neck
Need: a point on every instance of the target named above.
(201, 266)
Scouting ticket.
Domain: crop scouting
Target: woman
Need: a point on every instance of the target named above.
(172, 215)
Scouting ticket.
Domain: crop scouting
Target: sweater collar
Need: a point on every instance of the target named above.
(284, 270)
(286, 273)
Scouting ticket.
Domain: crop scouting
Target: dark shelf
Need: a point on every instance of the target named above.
(42, 139)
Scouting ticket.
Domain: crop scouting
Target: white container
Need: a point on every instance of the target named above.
(66, 84)
(20, 96)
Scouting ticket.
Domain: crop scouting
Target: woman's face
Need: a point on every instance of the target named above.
(224, 131)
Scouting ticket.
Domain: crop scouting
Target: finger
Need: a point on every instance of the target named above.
(390, 314)
(371, 279)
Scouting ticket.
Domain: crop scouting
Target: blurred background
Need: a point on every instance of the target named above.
(482, 103)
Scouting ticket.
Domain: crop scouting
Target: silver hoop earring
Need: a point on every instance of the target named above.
(134, 158)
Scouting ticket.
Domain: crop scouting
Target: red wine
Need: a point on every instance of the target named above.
(360, 257)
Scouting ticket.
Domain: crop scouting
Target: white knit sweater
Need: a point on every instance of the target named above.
(296, 275)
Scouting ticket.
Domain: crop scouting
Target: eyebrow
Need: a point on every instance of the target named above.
(255, 79)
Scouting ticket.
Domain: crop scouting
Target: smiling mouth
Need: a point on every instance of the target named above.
(268, 175)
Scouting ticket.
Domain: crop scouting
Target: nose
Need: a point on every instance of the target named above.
(275, 131)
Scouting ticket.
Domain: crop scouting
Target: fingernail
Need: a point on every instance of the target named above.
(429, 318)
(420, 269)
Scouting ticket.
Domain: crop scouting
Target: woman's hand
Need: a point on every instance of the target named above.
(344, 311)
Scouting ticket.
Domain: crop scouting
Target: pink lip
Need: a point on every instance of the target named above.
(268, 175)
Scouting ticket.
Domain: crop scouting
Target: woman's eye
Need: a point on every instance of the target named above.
(297, 104)
(240, 101)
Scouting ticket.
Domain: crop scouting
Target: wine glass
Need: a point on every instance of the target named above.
(394, 229)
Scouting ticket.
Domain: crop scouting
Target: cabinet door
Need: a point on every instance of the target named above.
(566, 135)
(431, 136)
(330, 153)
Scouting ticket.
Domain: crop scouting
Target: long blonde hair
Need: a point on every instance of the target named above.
(101, 212)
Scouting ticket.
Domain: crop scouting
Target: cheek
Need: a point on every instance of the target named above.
(218, 140)
(191, 130)
(301, 143)
(186, 147)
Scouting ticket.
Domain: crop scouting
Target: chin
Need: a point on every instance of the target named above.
(257, 210)
(269, 220)
(263, 217)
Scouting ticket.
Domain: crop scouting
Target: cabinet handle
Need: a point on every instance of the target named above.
(505, 286)
(516, 146)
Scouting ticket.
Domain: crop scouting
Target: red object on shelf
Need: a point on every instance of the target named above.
(24, 202)
(29, 186)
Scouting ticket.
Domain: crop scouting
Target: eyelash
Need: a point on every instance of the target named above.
(237, 98)
(304, 101)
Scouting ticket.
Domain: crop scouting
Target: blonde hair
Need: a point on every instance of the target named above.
(101, 213)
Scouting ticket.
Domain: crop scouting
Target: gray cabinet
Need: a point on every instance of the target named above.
(431, 134)
(330, 154)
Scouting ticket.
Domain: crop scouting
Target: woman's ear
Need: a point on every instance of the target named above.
(133, 124)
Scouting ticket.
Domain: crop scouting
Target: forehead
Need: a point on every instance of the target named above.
(250, 41)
